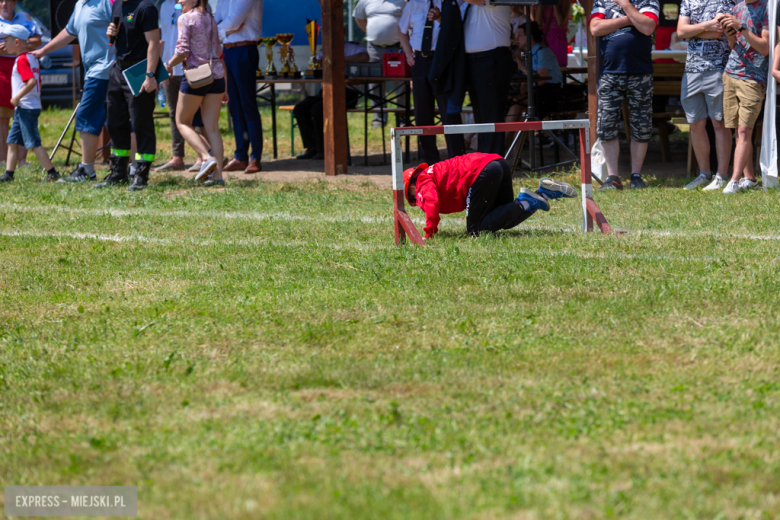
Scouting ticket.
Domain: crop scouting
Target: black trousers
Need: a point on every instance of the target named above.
(490, 204)
(308, 114)
(425, 102)
(124, 108)
(489, 75)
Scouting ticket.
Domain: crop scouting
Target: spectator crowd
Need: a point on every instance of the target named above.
(453, 48)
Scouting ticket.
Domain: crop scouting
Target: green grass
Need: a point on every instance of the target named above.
(266, 351)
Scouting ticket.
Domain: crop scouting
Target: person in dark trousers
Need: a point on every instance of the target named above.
(240, 27)
(487, 34)
(419, 35)
(481, 184)
(137, 39)
(308, 113)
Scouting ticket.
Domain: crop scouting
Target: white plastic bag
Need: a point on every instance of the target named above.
(598, 163)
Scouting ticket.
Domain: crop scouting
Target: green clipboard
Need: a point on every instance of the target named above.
(136, 75)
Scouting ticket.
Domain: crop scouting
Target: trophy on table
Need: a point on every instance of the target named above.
(312, 31)
(289, 69)
(270, 70)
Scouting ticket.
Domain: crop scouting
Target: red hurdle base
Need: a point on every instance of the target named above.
(403, 223)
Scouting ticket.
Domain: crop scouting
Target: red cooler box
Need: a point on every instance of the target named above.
(394, 65)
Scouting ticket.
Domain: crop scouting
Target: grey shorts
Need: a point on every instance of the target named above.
(702, 95)
(638, 90)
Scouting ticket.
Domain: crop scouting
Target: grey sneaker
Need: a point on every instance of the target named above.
(747, 184)
(699, 182)
(717, 183)
(206, 169)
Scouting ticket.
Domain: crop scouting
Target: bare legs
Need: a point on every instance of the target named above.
(701, 145)
(743, 154)
(210, 106)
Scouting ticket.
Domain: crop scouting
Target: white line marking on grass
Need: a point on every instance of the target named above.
(337, 246)
(252, 215)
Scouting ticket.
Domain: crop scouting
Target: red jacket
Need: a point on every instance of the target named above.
(443, 187)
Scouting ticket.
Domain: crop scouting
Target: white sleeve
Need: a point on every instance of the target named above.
(404, 24)
(360, 10)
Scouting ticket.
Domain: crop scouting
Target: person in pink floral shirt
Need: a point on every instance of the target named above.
(198, 44)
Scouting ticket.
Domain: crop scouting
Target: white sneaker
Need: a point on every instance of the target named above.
(698, 182)
(206, 169)
(731, 188)
(716, 184)
(747, 184)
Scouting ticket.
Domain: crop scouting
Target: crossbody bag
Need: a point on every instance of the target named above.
(203, 75)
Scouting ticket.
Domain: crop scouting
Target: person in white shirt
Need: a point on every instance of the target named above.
(379, 20)
(487, 35)
(419, 51)
(240, 24)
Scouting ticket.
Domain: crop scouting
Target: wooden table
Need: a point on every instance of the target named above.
(381, 101)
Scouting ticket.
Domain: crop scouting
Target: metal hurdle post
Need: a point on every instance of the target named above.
(403, 223)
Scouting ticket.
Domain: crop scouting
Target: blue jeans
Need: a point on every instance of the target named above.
(91, 115)
(242, 63)
(24, 129)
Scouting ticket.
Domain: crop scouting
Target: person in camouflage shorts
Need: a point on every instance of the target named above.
(625, 29)
(638, 88)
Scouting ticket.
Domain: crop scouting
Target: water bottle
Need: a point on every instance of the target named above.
(161, 96)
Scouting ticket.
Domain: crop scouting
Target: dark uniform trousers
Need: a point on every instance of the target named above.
(425, 102)
(309, 116)
(123, 108)
(489, 75)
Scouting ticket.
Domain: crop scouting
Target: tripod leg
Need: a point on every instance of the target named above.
(70, 122)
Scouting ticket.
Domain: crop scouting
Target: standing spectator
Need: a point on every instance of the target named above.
(169, 19)
(8, 16)
(625, 28)
(88, 22)
(744, 84)
(197, 45)
(702, 88)
(486, 34)
(418, 16)
(137, 38)
(379, 20)
(309, 112)
(554, 22)
(240, 26)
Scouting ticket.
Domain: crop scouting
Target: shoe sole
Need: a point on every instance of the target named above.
(559, 187)
(536, 196)
(205, 173)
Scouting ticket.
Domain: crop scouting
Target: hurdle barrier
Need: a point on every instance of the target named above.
(403, 223)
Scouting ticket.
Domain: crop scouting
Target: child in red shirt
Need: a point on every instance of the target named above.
(481, 184)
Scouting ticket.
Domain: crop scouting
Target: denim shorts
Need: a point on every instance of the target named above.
(91, 115)
(216, 87)
(24, 130)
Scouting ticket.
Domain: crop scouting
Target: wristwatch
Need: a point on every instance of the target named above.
(150, 74)
(742, 28)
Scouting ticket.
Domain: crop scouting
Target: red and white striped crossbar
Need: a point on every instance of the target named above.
(404, 225)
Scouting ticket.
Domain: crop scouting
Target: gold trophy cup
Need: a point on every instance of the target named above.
(270, 70)
(312, 31)
(288, 69)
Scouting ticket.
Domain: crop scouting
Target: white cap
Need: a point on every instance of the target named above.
(15, 30)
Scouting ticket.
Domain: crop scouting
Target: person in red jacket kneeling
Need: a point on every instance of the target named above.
(480, 183)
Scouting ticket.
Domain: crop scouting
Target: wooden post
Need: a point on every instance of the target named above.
(333, 88)
(593, 72)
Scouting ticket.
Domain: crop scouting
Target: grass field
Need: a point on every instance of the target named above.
(265, 351)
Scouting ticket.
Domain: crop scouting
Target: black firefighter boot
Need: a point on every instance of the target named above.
(117, 172)
(141, 177)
